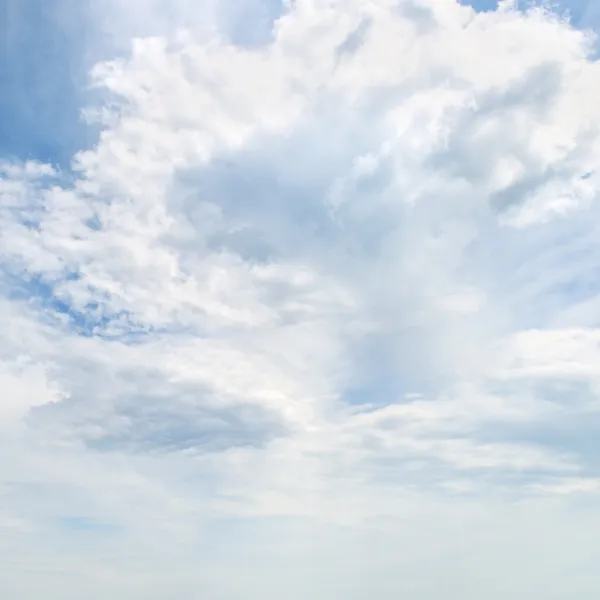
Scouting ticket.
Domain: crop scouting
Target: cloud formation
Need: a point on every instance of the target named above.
(324, 288)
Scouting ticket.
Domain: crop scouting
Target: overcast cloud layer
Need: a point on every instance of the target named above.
(311, 308)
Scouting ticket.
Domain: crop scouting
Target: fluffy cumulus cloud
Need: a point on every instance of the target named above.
(317, 315)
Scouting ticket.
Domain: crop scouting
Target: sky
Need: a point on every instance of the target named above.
(299, 300)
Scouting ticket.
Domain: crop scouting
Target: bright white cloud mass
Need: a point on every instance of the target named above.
(316, 316)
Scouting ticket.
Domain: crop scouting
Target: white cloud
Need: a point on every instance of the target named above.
(24, 386)
(336, 279)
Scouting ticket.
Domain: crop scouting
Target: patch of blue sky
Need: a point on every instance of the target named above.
(34, 289)
(377, 381)
(482, 5)
(384, 375)
(91, 320)
(43, 78)
(249, 23)
(584, 14)
(82, 524)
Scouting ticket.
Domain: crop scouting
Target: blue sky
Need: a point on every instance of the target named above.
(43, 73)
(300, 299)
